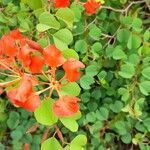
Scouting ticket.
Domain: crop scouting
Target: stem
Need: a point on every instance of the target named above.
(58, 92)
(53, 72)
(10, 82)
(5, 66)
(123, 10)
(39, 92)
(9, 75)
(59, 134)
(45, 75)
(50, 92)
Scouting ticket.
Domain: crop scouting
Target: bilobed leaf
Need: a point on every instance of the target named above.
(70, 53)
(145, 87)
(70, 123)
(95, 33)
(92, 70)
(62, 39)
(126, 138)
(134, 41)
(80, 140)
(66, 15)
(34, 4)
(81, 46)
(102, 114)
(72, 89)
(44, 113)
(47, 21)
(118, 53)
(123, 35)
(86, 81)
(146, 72)
(52, 144)
(127, 71)
(42, 27)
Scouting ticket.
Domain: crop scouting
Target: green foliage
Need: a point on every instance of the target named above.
(51, 143)
(114, 88)
(44, 113)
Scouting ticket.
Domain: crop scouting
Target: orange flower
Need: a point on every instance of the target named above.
(8, 46)
(91, 6)
(61, 3)
(32, 44)
(66, 106)
(53, 56)
(8, 43)
(23, 96)
(71, 67)
(36, 65)
(15, 34)
(26, 146)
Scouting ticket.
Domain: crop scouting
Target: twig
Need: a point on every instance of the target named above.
(113, 36)
(106, 36)
(5, 74)
(90, 24)
(123, 10)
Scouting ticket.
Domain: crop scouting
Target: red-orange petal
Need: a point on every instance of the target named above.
(71, 67)
(61, 3)
(36, 65)
(91, 6)
(34, 45)
(53, 56)
(66, 106)
(32, 103)
(9, 47)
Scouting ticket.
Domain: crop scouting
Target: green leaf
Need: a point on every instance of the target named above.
(136, 24)
(70, 123)
(16, 135)
(52, 144)
(121, 127)
(91, 117)
(123, 35)
(72, 89)
(86, 81)
(146, 72)
(146, 123)
(127, 71)
(66, 15)
(79, 140)
(42, 27)
(116, 107)
(91, 70)
(77, 9)
(102, 114)
(63, 38)
(13, 120)
(76, 147)
(118, 53)
(44, 113)
(126, 138)
(47, 21)
(81, 46)
(145, 87)
(97, 47)
(34, 4)
(95, 33)
(134, 41)
(70, 53)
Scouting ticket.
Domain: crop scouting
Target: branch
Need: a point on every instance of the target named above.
(123, 10)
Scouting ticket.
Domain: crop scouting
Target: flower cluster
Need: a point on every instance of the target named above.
(90, 6)
(25, 59)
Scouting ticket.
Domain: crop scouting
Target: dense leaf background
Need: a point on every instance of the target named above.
(114, 44)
